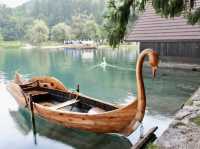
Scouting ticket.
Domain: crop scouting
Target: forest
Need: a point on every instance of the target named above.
(38, 21)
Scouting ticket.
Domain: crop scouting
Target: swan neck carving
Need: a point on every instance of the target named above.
(141, 96)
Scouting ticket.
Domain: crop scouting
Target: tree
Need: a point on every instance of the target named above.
(85, 27)
(91, 30)
(1, 37)
(14, 29)
(15, 22)
(12, 23)
(9, 24)
(78, 23)
(38, 32)
(62, 10)
(60, 32)
(119, 11)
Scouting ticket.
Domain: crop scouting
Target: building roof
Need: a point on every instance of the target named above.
(152, 27)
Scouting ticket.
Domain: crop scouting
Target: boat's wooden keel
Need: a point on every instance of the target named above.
(147, 137)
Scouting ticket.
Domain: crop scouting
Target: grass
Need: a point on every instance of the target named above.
(51, 43)
(151, 146)
(18, 44)
(196, 120)
(189, 102)
(11, 44)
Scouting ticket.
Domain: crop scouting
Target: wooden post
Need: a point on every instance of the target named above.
(33, 119)
(142, 141)
(78, 88)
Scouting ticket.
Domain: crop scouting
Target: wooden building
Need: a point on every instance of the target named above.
(172, 38)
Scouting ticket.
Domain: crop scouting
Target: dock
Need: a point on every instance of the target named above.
(145, 139)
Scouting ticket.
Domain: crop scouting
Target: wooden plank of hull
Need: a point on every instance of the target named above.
(16, 92)
(115, 121)
(107, 122)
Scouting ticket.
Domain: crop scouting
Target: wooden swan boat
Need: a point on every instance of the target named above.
(53, 101)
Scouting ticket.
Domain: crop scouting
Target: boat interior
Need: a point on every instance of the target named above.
(65, 101)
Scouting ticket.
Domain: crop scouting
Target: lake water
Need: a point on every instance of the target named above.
(114, 83)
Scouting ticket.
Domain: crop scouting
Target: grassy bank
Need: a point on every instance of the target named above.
(19, 44)
(11, 44)
(196, 120)
(49, 43)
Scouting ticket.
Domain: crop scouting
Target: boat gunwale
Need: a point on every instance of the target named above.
(70, 92)
(118, 109)
(80, 113)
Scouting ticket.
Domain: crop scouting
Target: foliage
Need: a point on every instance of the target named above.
(172, 8)
(84, 17)
(91, 30)
(10, 44)
(152, 146)
(78, 23)
(60, 32)
(196, 120)
(8, 25)
(1, 37)
(169, 8)
(84, 27)
(194, 17)
(116, 20)
(62, 10)
(38, 32)
(13, 29)
(119, 11)
(4, 15)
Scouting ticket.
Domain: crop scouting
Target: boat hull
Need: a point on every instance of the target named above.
(120, 121)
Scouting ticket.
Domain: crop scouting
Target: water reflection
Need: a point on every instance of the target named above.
(74, 138)
(165, 94)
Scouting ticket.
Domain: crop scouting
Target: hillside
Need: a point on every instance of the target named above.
(84, 17)
(57, 11)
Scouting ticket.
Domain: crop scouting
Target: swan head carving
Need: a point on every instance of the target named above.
(153, 61)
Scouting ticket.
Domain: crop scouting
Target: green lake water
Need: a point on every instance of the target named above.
(114, 83)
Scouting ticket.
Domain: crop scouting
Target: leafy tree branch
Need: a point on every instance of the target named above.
(118, 14)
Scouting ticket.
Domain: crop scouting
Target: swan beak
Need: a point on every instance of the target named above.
(154, 69)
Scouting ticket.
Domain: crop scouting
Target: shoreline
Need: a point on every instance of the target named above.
(184, 131)
(71, 46)
(165, 62)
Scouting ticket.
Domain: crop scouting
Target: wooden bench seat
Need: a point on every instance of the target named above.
(64, 104)
(36, 93)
